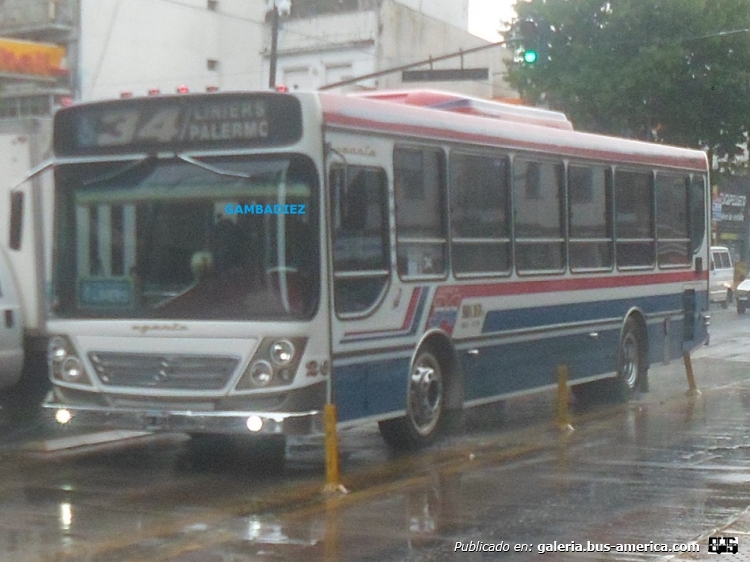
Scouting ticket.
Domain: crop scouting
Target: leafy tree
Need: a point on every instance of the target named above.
(672, 71)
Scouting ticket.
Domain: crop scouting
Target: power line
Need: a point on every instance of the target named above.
(430, 60)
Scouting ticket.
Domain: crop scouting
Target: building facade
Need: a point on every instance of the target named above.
(38, 39)
(324, 42)
(116, 46)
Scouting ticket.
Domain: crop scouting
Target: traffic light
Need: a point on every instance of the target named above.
(529, 33)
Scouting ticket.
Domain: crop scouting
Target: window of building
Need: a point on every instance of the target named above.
(26, 106)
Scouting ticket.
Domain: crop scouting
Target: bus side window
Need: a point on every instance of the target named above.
(538, 216)
(634, 213)
(480, 224)
(419, 192)
(361, 252)
(589, 218)
(673, 244)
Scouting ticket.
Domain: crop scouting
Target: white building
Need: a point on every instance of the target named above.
(136, 45)
(116, 46)
(323, 42)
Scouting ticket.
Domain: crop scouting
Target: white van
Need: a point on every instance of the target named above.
(11, 327)
(721, 276)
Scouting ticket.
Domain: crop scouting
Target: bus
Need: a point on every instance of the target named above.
(229, 263)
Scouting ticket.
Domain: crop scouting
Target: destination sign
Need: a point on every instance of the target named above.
(203, 121)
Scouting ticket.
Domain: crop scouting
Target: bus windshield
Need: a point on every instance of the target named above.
(221, 238)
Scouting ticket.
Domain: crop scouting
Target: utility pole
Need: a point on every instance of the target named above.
(274, 45)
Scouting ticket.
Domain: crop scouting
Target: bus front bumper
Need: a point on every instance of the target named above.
(187, 421)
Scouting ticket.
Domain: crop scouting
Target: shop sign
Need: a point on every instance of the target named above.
(28, 57)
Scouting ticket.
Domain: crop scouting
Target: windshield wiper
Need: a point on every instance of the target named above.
(31, 174)
(129, 167)
(213, 169)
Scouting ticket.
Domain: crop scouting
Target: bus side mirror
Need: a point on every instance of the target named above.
(16, 219)
(699, 265)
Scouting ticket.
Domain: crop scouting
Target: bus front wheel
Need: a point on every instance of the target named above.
(425, 402)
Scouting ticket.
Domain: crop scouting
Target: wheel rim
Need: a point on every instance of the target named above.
(630, 359)
(425, 394)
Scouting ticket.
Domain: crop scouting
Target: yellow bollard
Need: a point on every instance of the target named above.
(333, 483)
(563, 412)
(692, 389)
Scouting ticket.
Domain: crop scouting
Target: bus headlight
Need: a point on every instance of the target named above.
(72, 370)
(64, 364)
(57, 349)
(273, 364)
(261, 373)
(282, 352)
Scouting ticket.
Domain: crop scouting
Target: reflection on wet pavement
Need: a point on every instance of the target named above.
(665, 468)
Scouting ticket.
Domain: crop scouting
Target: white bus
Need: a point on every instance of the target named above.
(230, 262)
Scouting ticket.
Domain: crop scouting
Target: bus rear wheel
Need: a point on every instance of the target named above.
(631, 375)
(631, 364)
(425, 402)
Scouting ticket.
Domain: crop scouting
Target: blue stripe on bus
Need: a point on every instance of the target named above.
(368, 389)
(373, 388)
(520, 318)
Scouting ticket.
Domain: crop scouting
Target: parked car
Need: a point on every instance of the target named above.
(742, 296)
(11, 328)
(721, 276)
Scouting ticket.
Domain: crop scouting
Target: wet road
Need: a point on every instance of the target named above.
(665, 468)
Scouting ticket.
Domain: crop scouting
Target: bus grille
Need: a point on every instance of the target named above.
(185, 372)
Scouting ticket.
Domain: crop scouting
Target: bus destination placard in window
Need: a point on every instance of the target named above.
(174, 123)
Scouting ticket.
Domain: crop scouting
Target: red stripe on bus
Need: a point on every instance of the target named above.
(570, 284)
(408, 319)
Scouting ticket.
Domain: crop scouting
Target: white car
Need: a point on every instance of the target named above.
(721, 276)
(742, 296)
(11, 328)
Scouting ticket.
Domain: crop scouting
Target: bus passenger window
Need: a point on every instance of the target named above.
(419, 192)
(480, 228)
(361, 252)
(634, 214)
(673, 220)
(589, 218)
(538, 212)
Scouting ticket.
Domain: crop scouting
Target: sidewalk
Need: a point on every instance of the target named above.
(739, 528)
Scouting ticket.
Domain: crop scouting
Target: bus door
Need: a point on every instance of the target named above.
(361, 249)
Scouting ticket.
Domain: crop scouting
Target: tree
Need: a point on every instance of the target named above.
(673, 71)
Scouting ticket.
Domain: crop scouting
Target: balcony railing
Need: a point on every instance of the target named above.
(37, 19)
(315, 8)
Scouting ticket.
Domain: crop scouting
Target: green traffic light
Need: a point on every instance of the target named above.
(529, 57)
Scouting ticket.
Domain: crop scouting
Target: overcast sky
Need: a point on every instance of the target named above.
(485, 16)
